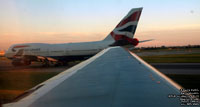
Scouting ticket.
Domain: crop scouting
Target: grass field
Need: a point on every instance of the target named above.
(174, 58)
(13, 84)
(166, 49)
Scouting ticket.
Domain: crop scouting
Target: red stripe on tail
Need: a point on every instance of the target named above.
(134, 17)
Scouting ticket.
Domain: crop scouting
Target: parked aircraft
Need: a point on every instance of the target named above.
(123, 33)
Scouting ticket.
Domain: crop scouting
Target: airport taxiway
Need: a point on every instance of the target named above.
(178, 68)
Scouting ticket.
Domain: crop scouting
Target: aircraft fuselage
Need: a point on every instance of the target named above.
(61, 52)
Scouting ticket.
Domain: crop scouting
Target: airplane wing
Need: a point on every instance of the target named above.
(114, 77)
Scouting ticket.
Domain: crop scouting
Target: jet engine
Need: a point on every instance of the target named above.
(133, 41)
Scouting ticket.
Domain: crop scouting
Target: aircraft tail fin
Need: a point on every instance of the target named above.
(127, 26)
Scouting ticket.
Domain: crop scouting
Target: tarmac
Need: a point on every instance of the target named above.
(178, 68)
(166, 68)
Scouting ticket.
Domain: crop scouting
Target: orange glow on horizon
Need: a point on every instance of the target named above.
(175, 37)
(2, 53)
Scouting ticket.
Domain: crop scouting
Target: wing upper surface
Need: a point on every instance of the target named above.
(112, 78)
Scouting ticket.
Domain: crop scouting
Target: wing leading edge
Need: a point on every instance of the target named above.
(114, 77)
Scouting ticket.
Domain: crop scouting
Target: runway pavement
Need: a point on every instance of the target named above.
(178, 68)
(166, 68)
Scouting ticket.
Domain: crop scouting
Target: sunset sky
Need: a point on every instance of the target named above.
(169, 22)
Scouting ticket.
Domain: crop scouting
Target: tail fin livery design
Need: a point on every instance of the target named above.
(125, 30)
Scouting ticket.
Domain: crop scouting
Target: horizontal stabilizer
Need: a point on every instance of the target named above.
(146, 40)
